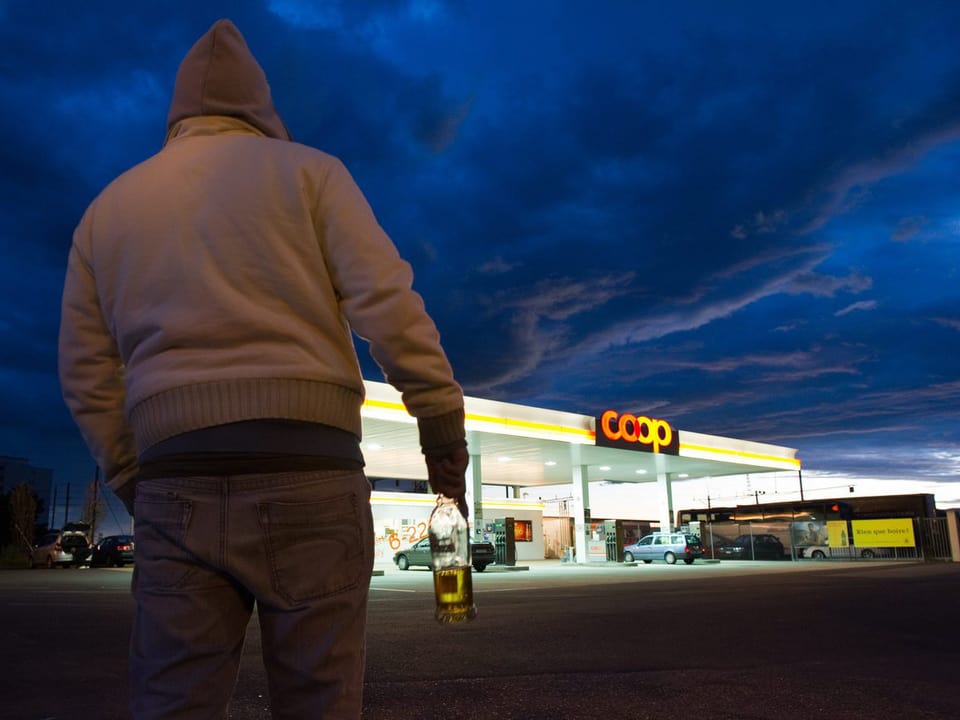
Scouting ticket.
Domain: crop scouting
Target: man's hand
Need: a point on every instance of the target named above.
(447, 474)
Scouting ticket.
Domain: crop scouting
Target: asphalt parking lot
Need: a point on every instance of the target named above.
(732, 640)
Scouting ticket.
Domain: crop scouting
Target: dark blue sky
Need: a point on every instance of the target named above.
(742, 217)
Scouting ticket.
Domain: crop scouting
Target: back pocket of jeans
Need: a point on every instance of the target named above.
(162, 561)
(315, 548)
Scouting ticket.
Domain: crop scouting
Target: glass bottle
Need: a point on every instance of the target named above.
(450, 558)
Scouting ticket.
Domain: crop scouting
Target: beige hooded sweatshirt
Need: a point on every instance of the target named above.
(220, 280)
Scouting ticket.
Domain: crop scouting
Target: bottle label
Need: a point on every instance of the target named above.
(454, 593)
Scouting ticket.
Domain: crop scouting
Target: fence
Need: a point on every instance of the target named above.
(811, 540)
(934, 538)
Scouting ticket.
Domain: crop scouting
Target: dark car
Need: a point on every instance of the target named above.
(753, 547)
(113, 551)
(482, 553)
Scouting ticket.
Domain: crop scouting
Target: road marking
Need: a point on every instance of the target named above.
(508, 589)
(393, 589)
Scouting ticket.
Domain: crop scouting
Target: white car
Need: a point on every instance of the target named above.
(668, 547)
(62, 548)
(821, 552)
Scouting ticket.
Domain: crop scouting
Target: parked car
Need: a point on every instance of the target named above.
(820, 552)
(668, 547)
(113, 550)
(753, 547)
(482, 553)
(48, 552)
(63, 548)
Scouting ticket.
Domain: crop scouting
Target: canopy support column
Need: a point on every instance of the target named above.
(475, 493)
(665, 496)
(581, 504)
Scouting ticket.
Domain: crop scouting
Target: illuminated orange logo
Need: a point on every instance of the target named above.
(636, 433)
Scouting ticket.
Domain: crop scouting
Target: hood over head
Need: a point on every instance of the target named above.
(220, 76)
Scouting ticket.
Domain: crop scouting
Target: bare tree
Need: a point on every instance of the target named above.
(23, 516)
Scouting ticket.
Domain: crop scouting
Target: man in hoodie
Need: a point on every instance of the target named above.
(207, 358)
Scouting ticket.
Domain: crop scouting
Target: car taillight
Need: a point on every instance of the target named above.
(687, 549)
(123, 547)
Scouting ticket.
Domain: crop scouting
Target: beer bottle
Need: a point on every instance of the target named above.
(450, 559)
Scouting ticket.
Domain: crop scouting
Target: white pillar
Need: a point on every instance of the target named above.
(665, 493)
(475, 493)
(475, 484)
(581, 503)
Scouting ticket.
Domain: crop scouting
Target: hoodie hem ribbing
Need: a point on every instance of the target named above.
(192, 407)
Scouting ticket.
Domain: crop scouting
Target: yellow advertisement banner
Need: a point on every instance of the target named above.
(837, 533)
(893, 532)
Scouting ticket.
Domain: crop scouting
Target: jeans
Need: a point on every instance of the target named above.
(298, 544)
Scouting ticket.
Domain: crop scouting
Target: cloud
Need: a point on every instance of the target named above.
(934, 128)
(325, 16)
(721, 300)
(861, 305)
(908, 228)
(904, 411)
(828, 285)
(948, 322)
(640, 205)
(496, 266)
(561, 299)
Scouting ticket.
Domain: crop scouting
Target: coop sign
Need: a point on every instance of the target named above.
(636, 432)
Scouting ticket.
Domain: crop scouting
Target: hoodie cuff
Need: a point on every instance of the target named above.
(442, 433)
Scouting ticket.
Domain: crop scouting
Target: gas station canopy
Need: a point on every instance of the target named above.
(524, 446)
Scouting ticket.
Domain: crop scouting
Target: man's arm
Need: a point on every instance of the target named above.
(91, 376)
(376, 289)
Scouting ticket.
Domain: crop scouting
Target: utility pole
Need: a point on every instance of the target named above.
(800, 478)
(93, 507)
(66, 507)
(713, 554)
(52, 510)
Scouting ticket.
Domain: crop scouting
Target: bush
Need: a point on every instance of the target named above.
(12, 556)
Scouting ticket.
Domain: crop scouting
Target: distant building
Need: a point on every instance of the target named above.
(15, 471)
